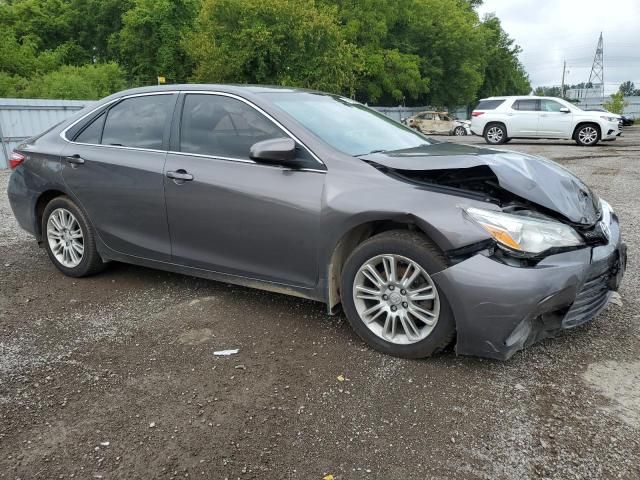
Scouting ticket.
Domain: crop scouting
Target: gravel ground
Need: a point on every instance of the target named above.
(114, 377)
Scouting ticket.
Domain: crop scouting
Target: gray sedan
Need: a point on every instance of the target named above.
(421, 242)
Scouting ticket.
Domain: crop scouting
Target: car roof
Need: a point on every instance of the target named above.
(238, 89)
(521, 97)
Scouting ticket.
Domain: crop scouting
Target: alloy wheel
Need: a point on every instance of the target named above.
(65, 237)
(396, 299)
(459, 131)
(588, 135)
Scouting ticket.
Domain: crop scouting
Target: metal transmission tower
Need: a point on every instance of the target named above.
(596, 77)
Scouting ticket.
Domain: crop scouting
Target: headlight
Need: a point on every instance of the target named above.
(609, 119)
(526, 234)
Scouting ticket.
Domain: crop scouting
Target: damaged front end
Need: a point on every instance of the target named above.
(553, 252)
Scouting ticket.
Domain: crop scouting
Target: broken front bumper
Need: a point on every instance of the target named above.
(500, 309)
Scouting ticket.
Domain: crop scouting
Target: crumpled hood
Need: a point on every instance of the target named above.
(535, 179)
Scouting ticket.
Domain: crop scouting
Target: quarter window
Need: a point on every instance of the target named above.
(221, 126)
(138, 122)
(93, 132)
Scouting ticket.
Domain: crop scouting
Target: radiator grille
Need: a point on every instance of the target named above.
(590, 301)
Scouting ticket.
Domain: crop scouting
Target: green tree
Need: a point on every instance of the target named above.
(548, 91)
(282, 42)
(503, 74)
(150, 41)
(627, 88)
(616, 104)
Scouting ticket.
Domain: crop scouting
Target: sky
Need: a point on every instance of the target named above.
(550, 31)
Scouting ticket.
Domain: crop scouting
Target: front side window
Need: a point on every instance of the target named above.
(550, 106)
(346, 125)
(221, 126)
(526, 105)
(138, 122)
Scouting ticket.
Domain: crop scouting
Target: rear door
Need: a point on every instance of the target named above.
(231, 214)
(114, 166)
(523, 118)
(553, 122)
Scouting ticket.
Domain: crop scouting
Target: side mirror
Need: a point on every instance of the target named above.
(565, 110)
(274, 150)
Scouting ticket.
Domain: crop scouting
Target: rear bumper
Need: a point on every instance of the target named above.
(22, 201)
(500, 309)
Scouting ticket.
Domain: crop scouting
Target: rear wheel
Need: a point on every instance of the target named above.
(69, 239)
(587, 135)
(495, 134)
(390, 298)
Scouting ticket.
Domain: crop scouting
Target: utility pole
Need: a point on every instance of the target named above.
(564, 69)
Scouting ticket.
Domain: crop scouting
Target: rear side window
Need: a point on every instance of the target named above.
(526, 105)
(489, 104)
(92, 133)
(138, 122)
(223, 127)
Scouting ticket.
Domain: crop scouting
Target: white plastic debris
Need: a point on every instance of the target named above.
(104, 444)
(226, 353)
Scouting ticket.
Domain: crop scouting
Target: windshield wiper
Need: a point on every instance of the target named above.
(370, 153)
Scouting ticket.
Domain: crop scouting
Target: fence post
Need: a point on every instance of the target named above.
(4, 146)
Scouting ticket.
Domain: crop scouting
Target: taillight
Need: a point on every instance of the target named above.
(476, 114)
(15, 159)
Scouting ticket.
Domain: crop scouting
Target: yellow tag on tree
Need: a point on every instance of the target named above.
(161, 80)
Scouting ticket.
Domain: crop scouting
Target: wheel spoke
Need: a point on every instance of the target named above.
(367, 293)
(374, 277)
(389, 328)
(406, 282)
(389, 264)
(410, 328)
(421, 314)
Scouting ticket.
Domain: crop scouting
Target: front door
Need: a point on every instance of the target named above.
(553, 122)
(523, 118)
(230, 214)
(115, 168)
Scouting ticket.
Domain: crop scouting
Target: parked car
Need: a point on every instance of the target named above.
(626, 121)
(317, 196)
(432, 122)
(501, 119)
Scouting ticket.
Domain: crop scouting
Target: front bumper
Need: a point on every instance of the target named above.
(500, 309)
(611, 130)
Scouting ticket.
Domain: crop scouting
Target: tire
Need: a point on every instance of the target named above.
(495, 134)
(62, 222)
(412, 247)
(459, 131)
(587, 135)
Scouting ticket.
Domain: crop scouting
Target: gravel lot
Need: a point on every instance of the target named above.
(114, 377)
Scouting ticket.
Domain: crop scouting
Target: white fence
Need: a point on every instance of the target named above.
(24, 118)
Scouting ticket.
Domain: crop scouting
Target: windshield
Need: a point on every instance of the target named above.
(346, 125)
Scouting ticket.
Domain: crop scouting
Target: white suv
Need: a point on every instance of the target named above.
(499, 119)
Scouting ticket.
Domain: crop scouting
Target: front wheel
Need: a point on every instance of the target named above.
(587, 135)
(459, 131)
(390, 298)
(69, 239)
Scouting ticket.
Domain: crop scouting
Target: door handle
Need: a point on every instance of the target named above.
(75, 160)
(180, 175)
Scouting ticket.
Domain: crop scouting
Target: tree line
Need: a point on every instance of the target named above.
(384, 52)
